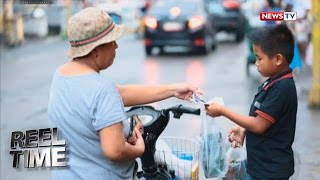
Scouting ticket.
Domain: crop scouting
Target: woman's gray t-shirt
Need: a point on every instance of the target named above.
(80, 106)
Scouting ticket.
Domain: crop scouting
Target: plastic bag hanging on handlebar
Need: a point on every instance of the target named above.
(212, 148)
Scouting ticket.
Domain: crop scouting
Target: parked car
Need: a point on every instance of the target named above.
(32, 18)
(227, 16)
(179, 23)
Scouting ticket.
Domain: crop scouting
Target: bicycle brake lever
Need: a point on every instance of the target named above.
(177, 115)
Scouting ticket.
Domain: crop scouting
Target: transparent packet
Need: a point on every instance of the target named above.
(212, 145)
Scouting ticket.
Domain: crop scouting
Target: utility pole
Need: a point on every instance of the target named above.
(12, 25)
(314, 95)
(68, 4)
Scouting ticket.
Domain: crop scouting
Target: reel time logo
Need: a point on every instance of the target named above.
(38, 148)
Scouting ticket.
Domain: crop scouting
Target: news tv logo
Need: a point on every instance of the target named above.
(278, 16)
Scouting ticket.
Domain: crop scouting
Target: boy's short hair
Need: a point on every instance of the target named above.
(275, 39)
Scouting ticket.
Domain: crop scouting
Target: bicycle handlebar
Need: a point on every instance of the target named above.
(180, 109)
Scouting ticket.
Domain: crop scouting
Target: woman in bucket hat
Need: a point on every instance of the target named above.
(88, 109)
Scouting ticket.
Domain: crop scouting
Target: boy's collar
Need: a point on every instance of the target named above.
(277, 77)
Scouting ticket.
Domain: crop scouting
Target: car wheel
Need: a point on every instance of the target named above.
(161, 50)
(148, 50)
(214, 45)
(248, 69)
(214, 42)
(239, 35)
(206, 49)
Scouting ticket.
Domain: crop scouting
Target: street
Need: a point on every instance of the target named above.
(26, 74)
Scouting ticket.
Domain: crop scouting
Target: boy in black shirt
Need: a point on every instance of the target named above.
(270, 127)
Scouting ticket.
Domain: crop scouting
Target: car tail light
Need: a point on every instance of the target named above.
(196, 22)
(229, 4)
(198, 42)
(148, 41)
(150, 22)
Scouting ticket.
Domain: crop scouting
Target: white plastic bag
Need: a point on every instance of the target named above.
(212, 148)
(237, 164)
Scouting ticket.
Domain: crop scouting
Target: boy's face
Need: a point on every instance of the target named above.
(267, 67)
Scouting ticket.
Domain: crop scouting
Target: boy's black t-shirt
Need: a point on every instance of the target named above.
(270, 154)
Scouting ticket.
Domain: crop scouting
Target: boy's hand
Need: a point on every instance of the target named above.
(236, 135)
(214, 109)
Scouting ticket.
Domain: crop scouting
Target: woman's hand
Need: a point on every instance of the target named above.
(133, 138)
(214, 109)
(115, 146)
(184, 91)
(139, 143)
(236, 134)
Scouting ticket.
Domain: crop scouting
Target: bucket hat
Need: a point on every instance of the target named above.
(90, 28)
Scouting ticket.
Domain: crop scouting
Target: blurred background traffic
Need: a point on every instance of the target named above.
(166, 41)
(191, 23)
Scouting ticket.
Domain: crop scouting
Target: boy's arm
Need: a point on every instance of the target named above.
(256, 124)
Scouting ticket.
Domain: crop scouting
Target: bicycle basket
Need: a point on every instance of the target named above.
(180, 155)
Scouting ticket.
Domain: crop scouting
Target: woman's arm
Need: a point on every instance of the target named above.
(144, 94)
(115, 147)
